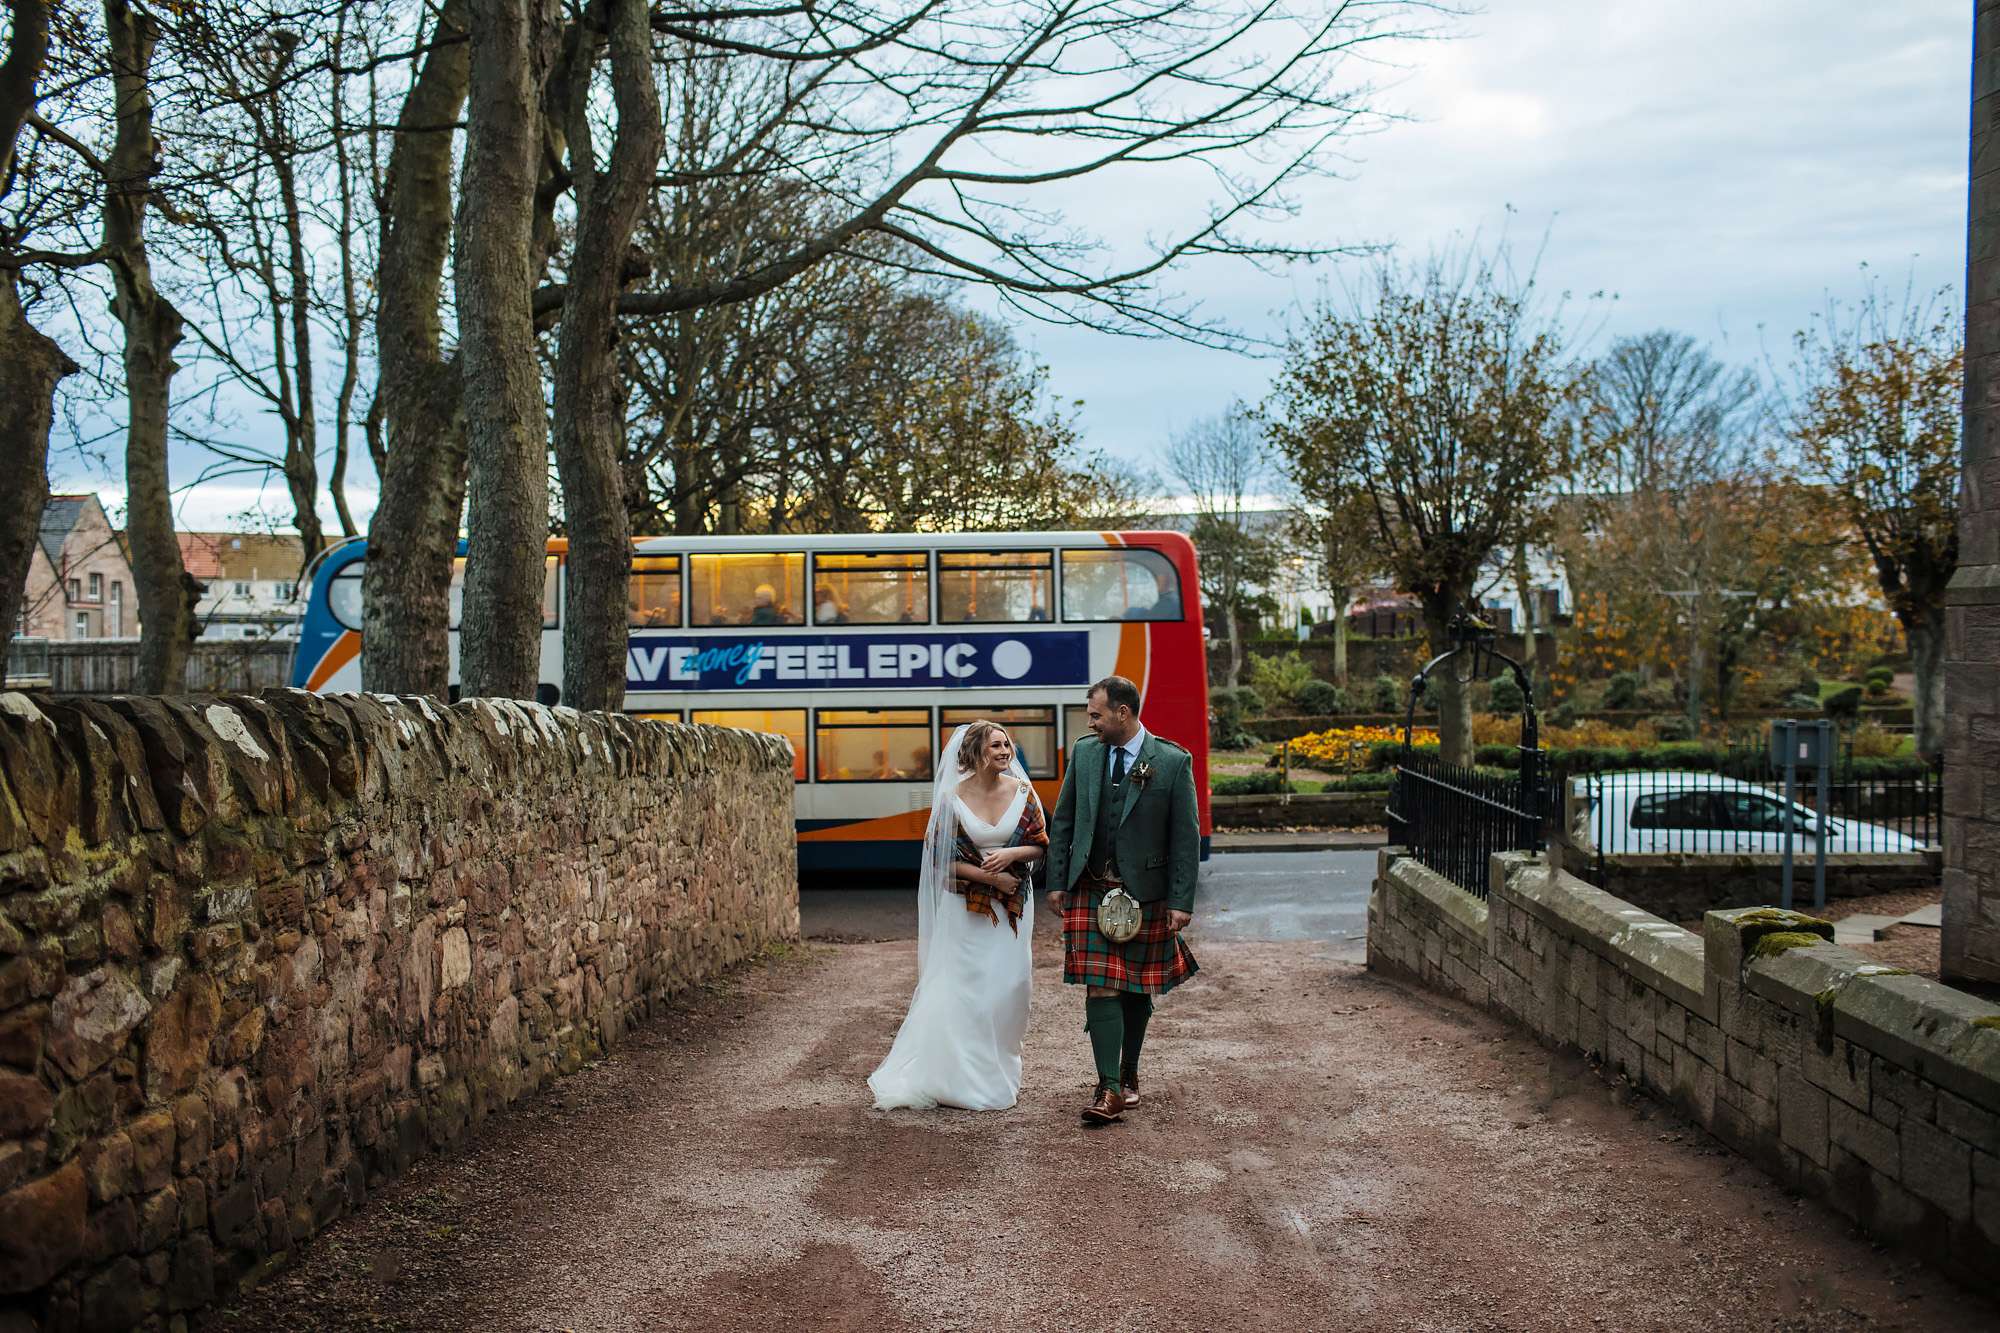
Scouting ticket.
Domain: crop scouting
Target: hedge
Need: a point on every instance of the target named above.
(1686, 756)
(1273, 784)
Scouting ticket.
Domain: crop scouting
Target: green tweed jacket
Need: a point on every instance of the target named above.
(1158, 830)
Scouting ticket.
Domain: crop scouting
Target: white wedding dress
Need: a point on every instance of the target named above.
(960, 1043)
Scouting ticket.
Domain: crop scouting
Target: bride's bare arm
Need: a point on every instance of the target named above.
(977, 874)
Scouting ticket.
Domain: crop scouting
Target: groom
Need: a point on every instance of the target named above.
(1126, 815)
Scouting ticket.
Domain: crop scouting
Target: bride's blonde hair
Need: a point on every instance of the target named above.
(973, 746)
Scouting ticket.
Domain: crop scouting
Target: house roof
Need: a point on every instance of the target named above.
(241, 555)
(59, 516)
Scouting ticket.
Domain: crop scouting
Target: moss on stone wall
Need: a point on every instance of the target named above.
(1778, 941)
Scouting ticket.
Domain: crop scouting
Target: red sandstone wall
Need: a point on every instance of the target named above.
(256, 954)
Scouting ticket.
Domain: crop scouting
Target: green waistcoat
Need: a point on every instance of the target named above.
(1154, 822)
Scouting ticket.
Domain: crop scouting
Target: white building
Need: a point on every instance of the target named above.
(252, 584)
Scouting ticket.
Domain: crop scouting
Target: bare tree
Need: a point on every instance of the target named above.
(152, 328)
(914, 111)
(1221, 461)
(1673, 429)
(589, 380)
(414, 532)
(31, 363)
(1340, 531)
(356, 306)
(249, 267)
(513, 45)
(1443, 397)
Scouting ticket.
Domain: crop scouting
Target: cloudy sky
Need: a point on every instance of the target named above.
(1712, 166)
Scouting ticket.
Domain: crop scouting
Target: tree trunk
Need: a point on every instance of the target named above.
(350, 302)
(31, 365)
(589, 380)
(1525, 591)
(1454, 701)
(302, 446)
(1927, 644)
(1233, 629)
(152, 328)
(414, 532)
(506, 425)
(1696, 667)
(1341, 598)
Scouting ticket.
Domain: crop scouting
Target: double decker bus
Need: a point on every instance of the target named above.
(865, 651)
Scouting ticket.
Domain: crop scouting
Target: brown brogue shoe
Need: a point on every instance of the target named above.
(1108, 1107)
(1129, 1086)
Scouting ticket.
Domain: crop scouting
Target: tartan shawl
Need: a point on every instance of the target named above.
(985, 899)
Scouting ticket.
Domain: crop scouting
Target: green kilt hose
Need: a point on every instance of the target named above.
(1152, 962)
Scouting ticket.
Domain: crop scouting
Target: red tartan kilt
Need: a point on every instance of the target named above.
(1153, 962)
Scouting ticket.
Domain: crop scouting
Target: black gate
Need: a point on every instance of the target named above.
(1451, 818)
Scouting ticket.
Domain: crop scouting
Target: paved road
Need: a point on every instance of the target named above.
(1321, 896)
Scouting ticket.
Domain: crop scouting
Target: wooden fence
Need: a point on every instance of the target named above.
(106, 666)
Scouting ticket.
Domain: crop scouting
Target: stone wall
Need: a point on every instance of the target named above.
(1337, 809)
(257, 954)
(1971, 945)
(1873, 1090)
(1680, 886)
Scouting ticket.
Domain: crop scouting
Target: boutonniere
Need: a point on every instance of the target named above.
(1141, 774)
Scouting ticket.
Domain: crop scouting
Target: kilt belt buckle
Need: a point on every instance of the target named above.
(1118, 912)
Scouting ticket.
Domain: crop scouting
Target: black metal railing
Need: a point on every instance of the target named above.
(1453, 819)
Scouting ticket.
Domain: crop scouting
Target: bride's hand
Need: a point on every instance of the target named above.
(1001, 859)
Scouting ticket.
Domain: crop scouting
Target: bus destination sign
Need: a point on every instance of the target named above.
(857, 661)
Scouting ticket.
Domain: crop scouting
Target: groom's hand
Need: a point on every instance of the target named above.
(1056, 900)
(1177, 920)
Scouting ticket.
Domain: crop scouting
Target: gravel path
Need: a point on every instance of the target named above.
(1321, 1149)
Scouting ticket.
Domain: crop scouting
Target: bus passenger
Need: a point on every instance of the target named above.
(766, 611)
(829, 611)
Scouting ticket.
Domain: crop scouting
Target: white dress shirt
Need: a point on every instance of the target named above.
(1131, 749)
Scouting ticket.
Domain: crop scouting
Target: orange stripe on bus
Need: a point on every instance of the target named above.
(903, 826)
(345, 649)
(1132, 655)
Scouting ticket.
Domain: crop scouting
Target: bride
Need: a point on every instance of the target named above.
(960, 1043)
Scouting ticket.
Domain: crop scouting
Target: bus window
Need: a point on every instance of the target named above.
(1076, 725)
(343, 596)
(886, 589)
(747, 589)
(994, 587)
(657, 717)
(787, 722)
(1033, 730)
(875, 744)
(654, 597)
(550, 604)
(1120, 583)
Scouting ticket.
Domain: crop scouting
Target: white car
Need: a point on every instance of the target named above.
(1705, 812)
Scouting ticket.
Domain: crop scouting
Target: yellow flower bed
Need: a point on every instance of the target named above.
(1346, 748)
